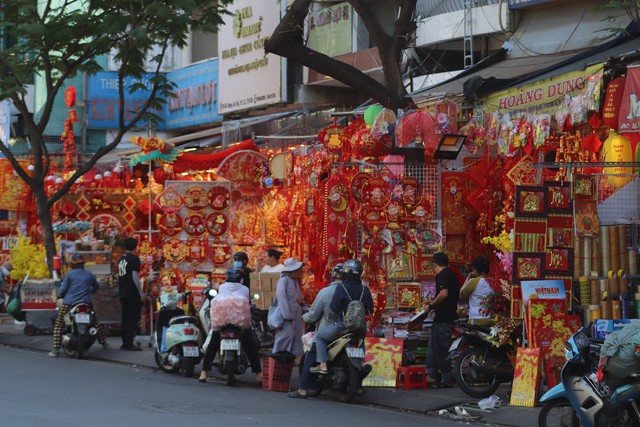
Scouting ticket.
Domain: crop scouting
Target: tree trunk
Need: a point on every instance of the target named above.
(44, 215)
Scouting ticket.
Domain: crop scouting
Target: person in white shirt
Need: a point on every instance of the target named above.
(272, 262)
(475, 288)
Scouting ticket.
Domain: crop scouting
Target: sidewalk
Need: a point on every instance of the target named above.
(417, 400)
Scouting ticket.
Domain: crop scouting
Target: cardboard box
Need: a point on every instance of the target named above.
(603, 327)
(265, 299)
(264, 282)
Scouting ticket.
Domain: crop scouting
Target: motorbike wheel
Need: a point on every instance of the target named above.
(231, 373)
(80, 346)
(471, 381)
(189, 366)
(558, 412)
(348, 394)
(164, 366)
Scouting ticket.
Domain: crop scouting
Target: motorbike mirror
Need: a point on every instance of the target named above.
(213, 293)
(256, 296)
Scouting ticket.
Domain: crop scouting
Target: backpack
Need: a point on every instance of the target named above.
(354, 317)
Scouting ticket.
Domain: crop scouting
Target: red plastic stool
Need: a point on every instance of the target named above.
(411, 377)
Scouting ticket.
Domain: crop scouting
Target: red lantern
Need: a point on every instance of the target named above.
(364, 144)
(160, 176)
(70, 97)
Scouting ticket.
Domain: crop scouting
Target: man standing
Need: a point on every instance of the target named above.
(131, 295)
(445, 305)
(272, 262)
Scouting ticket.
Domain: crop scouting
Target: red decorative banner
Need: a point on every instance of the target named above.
(629, 119)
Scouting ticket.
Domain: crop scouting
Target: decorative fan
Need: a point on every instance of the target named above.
(384, 123)
(417, 129)
(170, 200)
(174, 250)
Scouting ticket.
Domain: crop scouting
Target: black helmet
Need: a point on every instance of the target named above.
(76, 260)
(241, 256)
(336, 271)
(352, 268)
(235, 275)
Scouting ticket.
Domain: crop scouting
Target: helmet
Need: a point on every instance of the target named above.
(241, 256)
(336, 271)
(235, 275)
(352, 268)
(76, 260)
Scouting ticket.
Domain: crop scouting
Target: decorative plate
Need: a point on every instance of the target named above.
(216, 224)
(146, 248)
(170, 224)
(411, 191)
(219, 198)
(174, 250)
(357, 183)
(194, 224)
(195, 198)
(396, 213)
(220, 254)
(377, 192)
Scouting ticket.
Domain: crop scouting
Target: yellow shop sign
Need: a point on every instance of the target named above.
(543, 93)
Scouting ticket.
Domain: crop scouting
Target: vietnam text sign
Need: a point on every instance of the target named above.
(248, 77)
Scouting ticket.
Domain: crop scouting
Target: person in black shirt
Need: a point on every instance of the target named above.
(445, 306)
(131, 295)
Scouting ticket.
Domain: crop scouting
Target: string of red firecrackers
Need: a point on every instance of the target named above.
(68, 137)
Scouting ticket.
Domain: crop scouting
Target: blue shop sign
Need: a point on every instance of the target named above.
(195, 103)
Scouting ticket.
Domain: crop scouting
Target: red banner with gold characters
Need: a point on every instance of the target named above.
(526, 377)
(14, 192)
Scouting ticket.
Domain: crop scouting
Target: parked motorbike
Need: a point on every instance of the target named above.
(346, 368)
(178, 348)
(78, 335)
(580, 399)
(233, 359)
(480, 365)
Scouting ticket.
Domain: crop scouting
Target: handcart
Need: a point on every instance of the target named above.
(38, 301)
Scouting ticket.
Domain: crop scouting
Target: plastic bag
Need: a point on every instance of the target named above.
(489, 402)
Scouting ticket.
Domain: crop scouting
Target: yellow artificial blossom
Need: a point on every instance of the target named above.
(502, 242)
(28, 258)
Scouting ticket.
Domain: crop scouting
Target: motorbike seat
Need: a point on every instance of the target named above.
(183, 319)
(467, 325)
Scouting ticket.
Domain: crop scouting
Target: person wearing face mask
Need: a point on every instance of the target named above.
(240, 260)
(5, 271)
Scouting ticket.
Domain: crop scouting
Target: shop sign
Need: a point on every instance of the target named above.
(196, 96)
(543, 94)
(194, 102)
(629, 117)
(329, 30)
(248, 77)
(38, 296)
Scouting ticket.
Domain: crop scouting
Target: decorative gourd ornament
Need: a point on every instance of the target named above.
(617, 149)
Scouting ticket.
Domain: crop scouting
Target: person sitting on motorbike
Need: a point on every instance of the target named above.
(350, 289)
(77, 286)
(233, 287)
(241, 261)
(319, 313)
(475, 289)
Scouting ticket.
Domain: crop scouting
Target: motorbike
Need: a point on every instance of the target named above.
(346, 367)
(178, 348)
(480, 364)
(233, 359)
(580, 399)
(265, 336)
(78, 335)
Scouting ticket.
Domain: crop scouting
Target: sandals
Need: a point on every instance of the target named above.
(318, 370)
(296, 395)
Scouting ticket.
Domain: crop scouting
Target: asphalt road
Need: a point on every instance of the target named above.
(37, 390)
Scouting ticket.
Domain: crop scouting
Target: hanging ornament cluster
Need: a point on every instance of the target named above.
(68, 137)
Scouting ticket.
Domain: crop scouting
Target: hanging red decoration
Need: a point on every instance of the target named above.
(364, 144)
(417, 128)
(330, 137)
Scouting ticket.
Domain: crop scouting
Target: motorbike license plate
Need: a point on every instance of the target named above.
(454, 345)
(83, 318)
(230, 345)
(190, 351)
(355, 352)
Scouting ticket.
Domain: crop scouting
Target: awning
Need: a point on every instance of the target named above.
(480, 80)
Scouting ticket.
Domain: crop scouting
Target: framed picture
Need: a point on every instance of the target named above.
(558, 262)
(531, 201)
(527, 266)
(558, 197)
(408, 295)
(584, 187)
